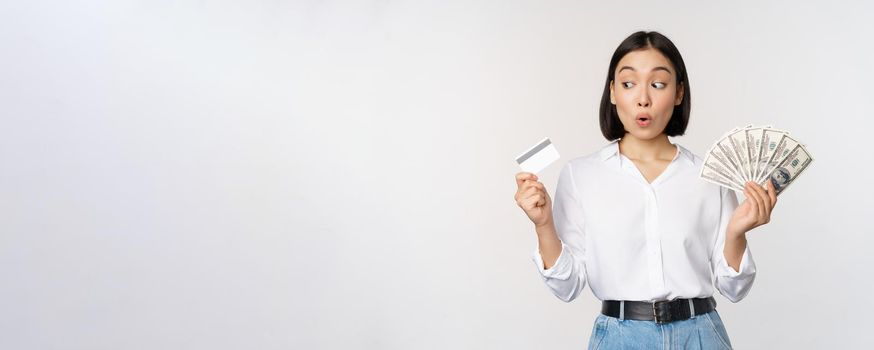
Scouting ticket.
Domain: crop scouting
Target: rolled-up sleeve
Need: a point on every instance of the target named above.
(732, 284)
(567, 277)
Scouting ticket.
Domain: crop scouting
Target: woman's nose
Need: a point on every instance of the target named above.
(643, 99)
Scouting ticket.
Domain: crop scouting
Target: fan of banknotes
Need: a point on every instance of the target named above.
(757, 154)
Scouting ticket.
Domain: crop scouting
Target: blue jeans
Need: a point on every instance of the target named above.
(702, 332)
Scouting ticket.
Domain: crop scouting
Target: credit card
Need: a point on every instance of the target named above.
(538, 157)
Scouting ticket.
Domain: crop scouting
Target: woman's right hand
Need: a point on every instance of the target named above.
(532, 197)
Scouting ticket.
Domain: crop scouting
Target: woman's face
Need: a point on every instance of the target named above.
(645, 91)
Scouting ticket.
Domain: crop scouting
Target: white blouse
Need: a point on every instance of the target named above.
(632, 240)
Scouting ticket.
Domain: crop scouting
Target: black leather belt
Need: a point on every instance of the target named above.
(660, 311)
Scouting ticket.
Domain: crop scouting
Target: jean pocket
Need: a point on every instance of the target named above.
(599, 331)
(718, 328)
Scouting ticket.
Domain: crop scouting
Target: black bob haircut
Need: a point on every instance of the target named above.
(611, 126)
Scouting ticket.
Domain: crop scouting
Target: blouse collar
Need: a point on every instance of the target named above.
(612, 149)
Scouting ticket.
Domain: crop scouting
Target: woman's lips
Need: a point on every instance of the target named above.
(643, 119)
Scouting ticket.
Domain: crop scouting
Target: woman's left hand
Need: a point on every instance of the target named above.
(755, 209)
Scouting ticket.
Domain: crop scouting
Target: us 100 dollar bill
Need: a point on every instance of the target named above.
(757, 154)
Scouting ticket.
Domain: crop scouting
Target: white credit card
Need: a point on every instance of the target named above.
(538, 157)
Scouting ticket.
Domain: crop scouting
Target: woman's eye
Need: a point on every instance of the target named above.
(658, 85)
(627, 84)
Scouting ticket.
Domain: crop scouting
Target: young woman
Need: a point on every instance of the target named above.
(634, 220)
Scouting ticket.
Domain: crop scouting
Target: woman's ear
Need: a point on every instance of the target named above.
(612, 99)
(680, 91)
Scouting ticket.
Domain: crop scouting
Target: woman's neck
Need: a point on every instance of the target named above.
(656, 148)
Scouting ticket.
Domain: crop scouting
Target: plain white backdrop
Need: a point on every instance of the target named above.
(327, 175)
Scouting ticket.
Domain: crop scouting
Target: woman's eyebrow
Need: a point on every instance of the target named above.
(653, 70)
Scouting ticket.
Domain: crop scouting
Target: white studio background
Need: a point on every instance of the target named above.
(339, 175)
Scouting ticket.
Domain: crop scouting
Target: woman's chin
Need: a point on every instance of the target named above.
(644, 134)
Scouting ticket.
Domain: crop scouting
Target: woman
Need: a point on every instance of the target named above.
(634, 220)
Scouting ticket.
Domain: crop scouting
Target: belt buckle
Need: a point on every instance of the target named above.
(655, 312)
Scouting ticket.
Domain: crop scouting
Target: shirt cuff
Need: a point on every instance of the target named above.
(747, 266)
(562, 268)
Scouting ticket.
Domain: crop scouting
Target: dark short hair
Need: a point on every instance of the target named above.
(611, 126)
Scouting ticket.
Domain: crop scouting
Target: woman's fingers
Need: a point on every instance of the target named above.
(528, 187)
(532, 197)
(758, 200)
(525, 185)
(529, 203)
(522, 176)
(766, 201)
(533, 201)
(768, 205)
(763, 206)
(772, 193)
(533, 183)
(544, 198)
(532, 192)
(752, 199)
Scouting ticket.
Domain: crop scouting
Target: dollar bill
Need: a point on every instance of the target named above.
(738, 142)
(754, 145)
(795, 162)
(727, 149)
(755, 153)
(715, 172)
(717, 155)
(770, 138)
(783, 148)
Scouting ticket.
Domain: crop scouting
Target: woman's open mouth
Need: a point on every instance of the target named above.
(643, 120)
